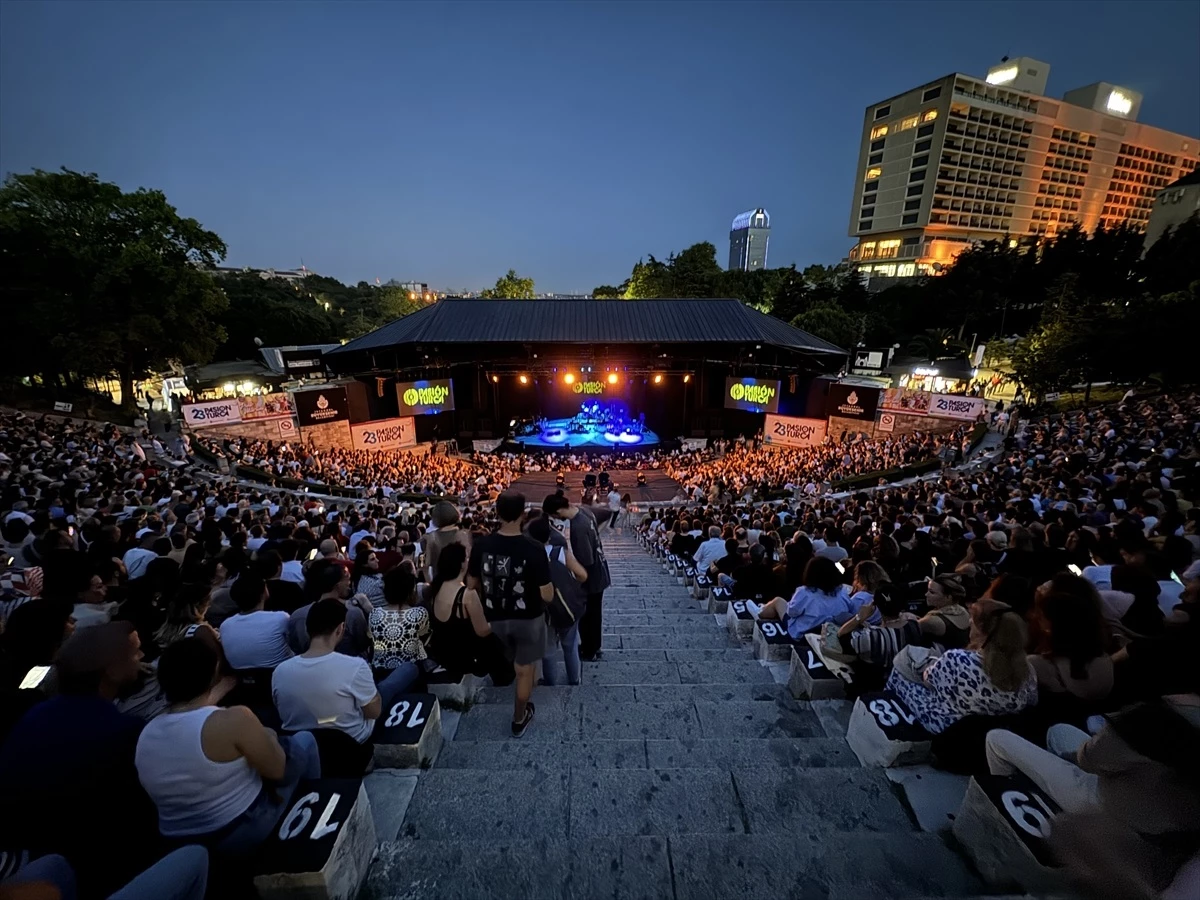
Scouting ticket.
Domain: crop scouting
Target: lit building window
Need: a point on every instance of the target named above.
(906, 270)
(929, 115)
(910, 122)
(878, 131)
(887, 271)
(874, 173)
(889, 248)
(1119, 103)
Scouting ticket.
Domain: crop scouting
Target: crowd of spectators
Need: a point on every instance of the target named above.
(1040, 614)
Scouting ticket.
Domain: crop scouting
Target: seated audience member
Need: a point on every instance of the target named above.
(1072, 649)
(365, 578)
(71, 787)
(91, 605)
(399, 628)
(185, 618)
(461, 639)
(991, 677)
(1130, 605)
(31, 638)
(292, 569)
(1105, 554)
(877, 645)
(709, 551)
(323, 688)
(254, 638)
(282, 596)
(724, 567)
(796, 552)
(947, 624)
(327, 579)
(755, 578)
(867, 579)
(207, 769)
(1169, 589)
(1129, 795)
(822, 598)
(180, 875)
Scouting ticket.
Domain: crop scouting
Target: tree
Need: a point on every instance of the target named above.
(1172, 263)
(104, 281)
(510, 286)
(936, 343)
(830, 322)
(607, 292)
(648, 280)
(694, 272)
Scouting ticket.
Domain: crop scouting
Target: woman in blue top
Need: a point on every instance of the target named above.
(821, 598)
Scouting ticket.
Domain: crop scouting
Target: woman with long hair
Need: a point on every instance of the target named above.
(1072, 652)
(823, 597)
(462, 641)
(365, 578)
(990, 677)
(947, 623)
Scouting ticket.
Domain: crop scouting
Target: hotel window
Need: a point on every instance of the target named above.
(883, 111)
(906, 270)
(877, 158)
(874, 173)
(929, 115)
(924, 131)
(920, 161)
(868, 250)
(915, 189)
(917, 176)
(878, 131)
(873, 186)
(864, 225)
(922, 146)
(889, 249)
(887, 271)
(877, 145)
(912, 204)
(910, 219)
(908, 122)
(932, 94)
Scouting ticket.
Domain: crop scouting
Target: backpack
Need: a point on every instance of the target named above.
(569, 601)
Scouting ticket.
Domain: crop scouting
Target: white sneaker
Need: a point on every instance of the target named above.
(753, 608)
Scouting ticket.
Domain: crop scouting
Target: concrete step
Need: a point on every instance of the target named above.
(614, 868)
(762, 691)
(748, 719)
(691, 753)
(697, 867)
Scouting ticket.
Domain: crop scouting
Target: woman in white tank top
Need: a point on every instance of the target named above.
(204, 766)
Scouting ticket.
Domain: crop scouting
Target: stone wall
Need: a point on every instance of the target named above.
(904, 425)
(327, 435)
(267, 430)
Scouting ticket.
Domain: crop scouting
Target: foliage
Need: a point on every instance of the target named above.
(99, 281)
(935, 343)
(607, 292)
(510, 286)
(826, 319)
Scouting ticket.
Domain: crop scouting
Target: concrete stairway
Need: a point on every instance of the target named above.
(679, 768)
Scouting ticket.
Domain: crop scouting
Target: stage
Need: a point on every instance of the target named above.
(608, 426)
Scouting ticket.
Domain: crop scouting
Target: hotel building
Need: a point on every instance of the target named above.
(965, 159)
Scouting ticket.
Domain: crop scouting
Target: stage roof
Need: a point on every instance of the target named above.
(459, 320)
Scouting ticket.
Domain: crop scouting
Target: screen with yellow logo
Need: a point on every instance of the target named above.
(419, 398)
(752, 394)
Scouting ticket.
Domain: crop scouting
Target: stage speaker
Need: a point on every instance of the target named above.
(360, 405)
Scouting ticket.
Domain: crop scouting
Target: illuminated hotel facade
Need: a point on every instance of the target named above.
(965, 159)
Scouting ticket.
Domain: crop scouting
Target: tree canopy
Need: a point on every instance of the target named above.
(99, 281)
(510, 286)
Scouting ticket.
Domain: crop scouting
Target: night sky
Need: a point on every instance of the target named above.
(448, 142)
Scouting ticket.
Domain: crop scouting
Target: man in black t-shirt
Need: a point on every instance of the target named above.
(512, 577)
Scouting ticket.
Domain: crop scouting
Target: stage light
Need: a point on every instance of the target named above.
(612, 379)
(687, 378)
(658, 379)
(524, 379)
(569, 378)
(495, 379)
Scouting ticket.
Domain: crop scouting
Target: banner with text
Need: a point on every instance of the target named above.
(956, 406)
(260, 407)
(852, 401)
(214, 412)
(752, 394)
(419, 398)
(316, 407)
(905, 400)
(384, 434)
(787, 431)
